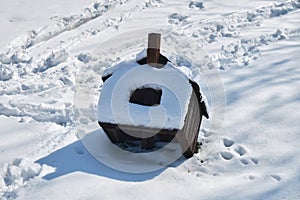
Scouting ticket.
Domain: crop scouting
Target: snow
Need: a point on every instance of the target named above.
(129, 76)
(243, 54)
(19, 17)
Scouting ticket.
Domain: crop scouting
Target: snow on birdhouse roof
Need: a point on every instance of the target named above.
(114, 106)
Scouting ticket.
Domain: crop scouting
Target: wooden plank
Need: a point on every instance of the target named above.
(154, 41)
(191, 128)
(113, 130)
(153, 51)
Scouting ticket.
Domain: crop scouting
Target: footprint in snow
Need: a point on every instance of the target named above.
(207, 136)
(226, 155)
(227, 142)
(244, 161)
(206, 133)
(240, 150)
(254, 161)
(79, 150)
(275, 177)
(195, 4)
(251, 177)
(233, 150)
(176, 18)
(237, 148)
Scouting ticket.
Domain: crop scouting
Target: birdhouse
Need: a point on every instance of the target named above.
(149, 99)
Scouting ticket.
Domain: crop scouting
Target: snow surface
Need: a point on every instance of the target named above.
(243, 54)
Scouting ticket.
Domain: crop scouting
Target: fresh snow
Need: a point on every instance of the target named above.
(114, 106)
(243, 54)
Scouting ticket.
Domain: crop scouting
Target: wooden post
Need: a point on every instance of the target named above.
(153, 54)
(148, 143)
(153, 51)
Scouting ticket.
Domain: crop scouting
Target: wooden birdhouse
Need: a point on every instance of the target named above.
(150, 99)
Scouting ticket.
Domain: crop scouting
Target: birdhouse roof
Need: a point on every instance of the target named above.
(114, 106)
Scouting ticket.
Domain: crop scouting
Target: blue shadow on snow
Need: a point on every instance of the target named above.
(76, 158)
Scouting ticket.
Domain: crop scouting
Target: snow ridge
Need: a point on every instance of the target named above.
(16, 175)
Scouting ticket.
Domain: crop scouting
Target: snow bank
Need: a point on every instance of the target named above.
(52, 60)
(16, 175)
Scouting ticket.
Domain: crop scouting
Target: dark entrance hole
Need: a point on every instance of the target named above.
(146, 96)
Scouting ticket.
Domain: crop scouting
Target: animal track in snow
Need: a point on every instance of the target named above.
(79, 150)
(239, 52)
(275, 177)
(226, 155)
(240, 150)
(206, 133)
(251, 177)
(207, 136)
(227, 142)
(234, 150)
(244, 161)
(176, 18)
(254, 160)
(194, 4)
